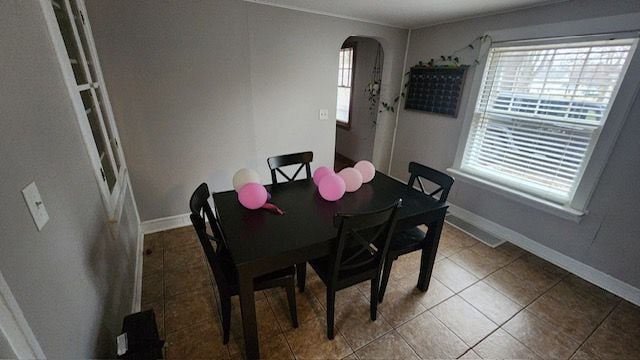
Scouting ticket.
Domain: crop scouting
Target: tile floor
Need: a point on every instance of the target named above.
(482, 303)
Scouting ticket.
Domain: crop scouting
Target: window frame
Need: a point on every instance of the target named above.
(113, 199)
(617, 26)
(353, 47)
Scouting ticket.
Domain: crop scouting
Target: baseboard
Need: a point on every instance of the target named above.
(137, 285)
(166, 223)
(584, 271)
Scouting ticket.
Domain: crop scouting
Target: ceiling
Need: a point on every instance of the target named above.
(406, 13)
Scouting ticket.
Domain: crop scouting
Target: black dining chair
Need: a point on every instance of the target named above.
(222, 266)
(276, 163)
(362, 243)
(414, 239)
(303, 159)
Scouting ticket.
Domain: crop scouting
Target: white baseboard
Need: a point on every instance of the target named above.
(137, 285)
(586, 272)
(166, 223)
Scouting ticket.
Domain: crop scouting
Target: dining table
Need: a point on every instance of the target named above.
(261, 241)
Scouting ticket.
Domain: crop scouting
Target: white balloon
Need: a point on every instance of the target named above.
(245, 176)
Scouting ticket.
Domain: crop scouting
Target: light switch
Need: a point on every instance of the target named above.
(35, 205)
(323, 114)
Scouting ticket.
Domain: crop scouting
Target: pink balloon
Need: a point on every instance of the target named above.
(320, 173)
(252, 196)
(332, 187)
(367, 170)
(352, 179)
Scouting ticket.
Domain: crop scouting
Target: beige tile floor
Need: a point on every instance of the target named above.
(482, 303)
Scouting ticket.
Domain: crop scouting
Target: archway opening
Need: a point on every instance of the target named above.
(360, 62)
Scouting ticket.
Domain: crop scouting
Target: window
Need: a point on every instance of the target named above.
(346, 66)
(96, 114)
(539, 113)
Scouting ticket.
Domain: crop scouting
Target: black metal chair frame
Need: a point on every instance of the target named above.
(304, 159)
(411, 240)
(362, 244)
(222, 266)
(277, 162)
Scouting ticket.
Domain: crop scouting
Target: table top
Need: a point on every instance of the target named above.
(308, 220)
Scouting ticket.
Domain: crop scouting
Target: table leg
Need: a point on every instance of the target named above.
(248, 308)
(301, 275)
(428, 257)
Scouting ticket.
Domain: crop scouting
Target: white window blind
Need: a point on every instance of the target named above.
(539, 112)
(345, 77)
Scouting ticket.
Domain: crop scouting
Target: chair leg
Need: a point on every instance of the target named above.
(301, 274)
(375, 290)
(388, 262)
(225, 306)
(331, 309)
(291, 299)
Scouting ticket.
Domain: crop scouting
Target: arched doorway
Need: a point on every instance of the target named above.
(359, 85)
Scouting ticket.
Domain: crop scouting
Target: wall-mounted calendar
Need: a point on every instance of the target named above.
(435, 89)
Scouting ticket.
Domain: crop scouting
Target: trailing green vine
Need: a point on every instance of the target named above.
(448, 61)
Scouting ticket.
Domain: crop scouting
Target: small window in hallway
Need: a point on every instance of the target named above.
(346, 64)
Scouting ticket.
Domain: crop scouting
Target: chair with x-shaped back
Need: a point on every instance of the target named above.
(406, 241)
(276, 163)
(302, 159)
(361, 246)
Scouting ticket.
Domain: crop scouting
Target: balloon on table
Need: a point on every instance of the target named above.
(319, 173)
(252, 196)
(332, 187)
(367, 170)
(244, 176)
(352, 178)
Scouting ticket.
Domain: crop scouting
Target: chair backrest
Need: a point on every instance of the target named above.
(276, 162)
(201, 210)
(368, 236)
(442, 180)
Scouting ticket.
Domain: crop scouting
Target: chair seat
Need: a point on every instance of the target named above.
(231, 273)
(323, 267)
(407, 241)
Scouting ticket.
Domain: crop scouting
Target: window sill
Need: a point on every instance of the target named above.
(521, 197)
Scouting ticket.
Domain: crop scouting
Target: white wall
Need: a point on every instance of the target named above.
(200, 89)
(607, 238)
(72, 281)
(357, 141)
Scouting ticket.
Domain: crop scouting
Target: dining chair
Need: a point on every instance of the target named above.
(414, 239)
(362, 243)
(276, 163)
(303, 159)
(222, 266)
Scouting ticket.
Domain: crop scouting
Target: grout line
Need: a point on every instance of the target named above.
(597, 327)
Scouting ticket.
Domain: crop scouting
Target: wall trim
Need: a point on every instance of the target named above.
(165, 223)
(15, 327)
(325, 13)
(584, 271)
(137, 284)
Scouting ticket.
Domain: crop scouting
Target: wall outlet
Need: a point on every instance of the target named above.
(323, 114)
(35, 205)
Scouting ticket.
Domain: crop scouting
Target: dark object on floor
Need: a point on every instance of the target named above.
(411, 240)
(363, 241)
(142, 336)
(224, 270)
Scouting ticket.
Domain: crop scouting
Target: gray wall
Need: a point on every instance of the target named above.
(201, 89)
(607, 238)
(73, 282)
(357, 142)
(5, 349)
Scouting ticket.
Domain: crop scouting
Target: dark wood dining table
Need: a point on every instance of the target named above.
(261, 241)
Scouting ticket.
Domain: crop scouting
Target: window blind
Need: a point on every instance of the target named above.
(539, 112)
